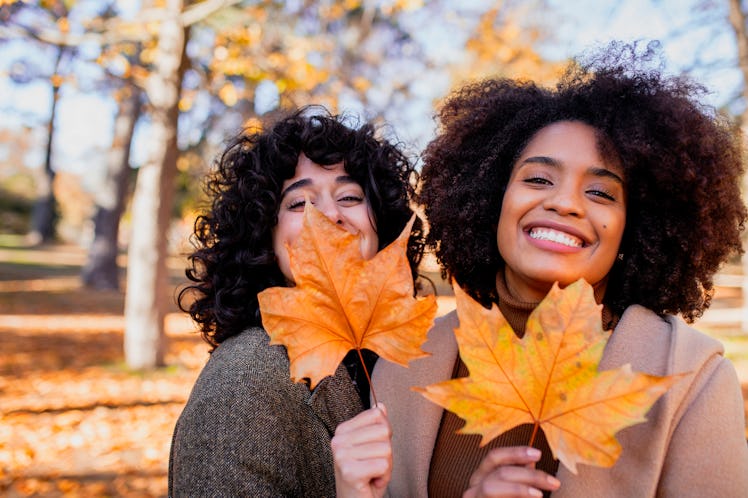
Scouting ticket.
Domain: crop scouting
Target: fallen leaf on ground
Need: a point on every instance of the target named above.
(343, 302)
(549, 378)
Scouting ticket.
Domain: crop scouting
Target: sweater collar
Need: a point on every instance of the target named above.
(517, 312)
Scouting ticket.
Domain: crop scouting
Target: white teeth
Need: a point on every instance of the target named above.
(554, 236)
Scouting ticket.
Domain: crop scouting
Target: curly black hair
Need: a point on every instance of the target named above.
(682, 165)
(233, 259)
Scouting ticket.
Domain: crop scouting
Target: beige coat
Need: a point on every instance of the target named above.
(692, 445)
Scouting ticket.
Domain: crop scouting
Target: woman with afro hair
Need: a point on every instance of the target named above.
(247, 429)
(618, 175)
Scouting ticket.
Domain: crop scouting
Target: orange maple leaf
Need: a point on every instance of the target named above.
(343, 302)
(548, 378)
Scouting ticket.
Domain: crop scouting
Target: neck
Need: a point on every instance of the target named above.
(517, 310)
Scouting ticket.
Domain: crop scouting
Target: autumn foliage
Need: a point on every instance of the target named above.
(342, 301)
(548, 378)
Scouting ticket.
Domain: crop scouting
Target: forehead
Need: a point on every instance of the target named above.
(312, 176)
(572, 142)
(305, 167)
(564, 134)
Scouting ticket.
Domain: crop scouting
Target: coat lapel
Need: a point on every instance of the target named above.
(645, 341)
(415, 420)
(335, 399)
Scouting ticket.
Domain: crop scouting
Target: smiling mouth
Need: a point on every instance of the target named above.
(555, 236)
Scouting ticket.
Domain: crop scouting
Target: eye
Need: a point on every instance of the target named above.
(603, 192)
(537, 180)
(349, 195)
(296, 204)
(351, 199)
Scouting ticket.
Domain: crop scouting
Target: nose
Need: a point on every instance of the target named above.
(565, 200)
(331, 209)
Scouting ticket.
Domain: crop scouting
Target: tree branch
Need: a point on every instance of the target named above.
(117, 30)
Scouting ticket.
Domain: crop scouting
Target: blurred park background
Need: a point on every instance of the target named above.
(111, 113)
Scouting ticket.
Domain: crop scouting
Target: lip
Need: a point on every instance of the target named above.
(558, 227)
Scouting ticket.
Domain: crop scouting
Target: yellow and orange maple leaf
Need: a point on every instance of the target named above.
(548, 378)
(343, 302)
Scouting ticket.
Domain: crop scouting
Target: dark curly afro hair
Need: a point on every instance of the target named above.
(233, 258)
(682, 165)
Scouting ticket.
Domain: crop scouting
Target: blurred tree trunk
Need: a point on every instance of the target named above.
(101, 270)
(44, 213)
(145, 300)
(738, 22)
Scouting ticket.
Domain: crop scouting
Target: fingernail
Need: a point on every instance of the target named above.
(533, 453)
(535, 492)
(553, 481)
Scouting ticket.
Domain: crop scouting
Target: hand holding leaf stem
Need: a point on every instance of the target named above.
(509, 472)
(362, 452)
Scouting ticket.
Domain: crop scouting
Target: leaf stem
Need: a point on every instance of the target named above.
(368, 377)
(534, 433)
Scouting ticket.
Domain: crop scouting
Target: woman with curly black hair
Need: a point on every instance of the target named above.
(618, 175)
(247, 429)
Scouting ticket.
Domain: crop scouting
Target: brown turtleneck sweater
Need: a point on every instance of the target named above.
(456, 456)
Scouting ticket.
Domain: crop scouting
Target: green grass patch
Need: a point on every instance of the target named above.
(12, 241)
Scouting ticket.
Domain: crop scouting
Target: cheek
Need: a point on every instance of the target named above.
(287, 230)
(502, 228)
(285, 233)
(506, 229)
(369, 241)
(613, 230)
(369, 246)
(368, 233)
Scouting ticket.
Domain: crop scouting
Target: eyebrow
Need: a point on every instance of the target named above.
(304, 182)
(594, 170)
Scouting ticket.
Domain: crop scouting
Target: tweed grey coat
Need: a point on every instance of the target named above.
(247, 430)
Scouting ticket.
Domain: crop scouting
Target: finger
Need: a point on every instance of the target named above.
(359, 478)
(376, 449)
(363, 470)
(510, 455)
(518, 476)
(380, 406)
(376, 415)
(503, 490)
(374, 433)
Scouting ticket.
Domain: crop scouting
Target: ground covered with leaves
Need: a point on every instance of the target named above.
(74, 421)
